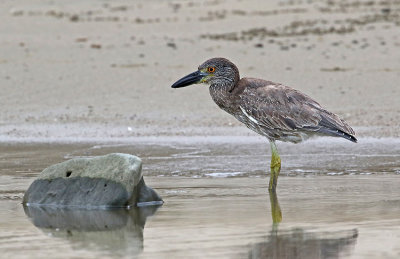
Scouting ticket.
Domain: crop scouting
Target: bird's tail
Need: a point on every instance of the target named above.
(337, 133)
(332, 125)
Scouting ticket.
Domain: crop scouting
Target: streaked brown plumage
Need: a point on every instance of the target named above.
(272, 110)
(278, 112)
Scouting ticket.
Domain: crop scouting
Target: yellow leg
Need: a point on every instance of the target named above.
(275, 167)
(276, 212)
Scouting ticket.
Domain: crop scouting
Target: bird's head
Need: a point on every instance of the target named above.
(215, 71)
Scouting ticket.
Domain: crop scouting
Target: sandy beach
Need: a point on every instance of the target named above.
(103, 70)
(89, 78)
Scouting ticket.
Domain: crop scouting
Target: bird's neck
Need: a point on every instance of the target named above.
(223, 96)
(223, 88)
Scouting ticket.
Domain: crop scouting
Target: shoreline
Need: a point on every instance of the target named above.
(234, 135)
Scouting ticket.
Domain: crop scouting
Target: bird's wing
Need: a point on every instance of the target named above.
(276, 106)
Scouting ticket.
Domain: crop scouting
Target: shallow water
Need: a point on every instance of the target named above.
(337, 199)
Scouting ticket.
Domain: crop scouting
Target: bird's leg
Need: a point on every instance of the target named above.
(276, 212)
(275, 167)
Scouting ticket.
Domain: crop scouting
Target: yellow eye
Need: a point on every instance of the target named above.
(210, 69)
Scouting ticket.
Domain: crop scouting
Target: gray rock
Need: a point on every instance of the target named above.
(113, 180)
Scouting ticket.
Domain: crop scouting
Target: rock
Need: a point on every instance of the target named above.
(113, 180)
(146, 196)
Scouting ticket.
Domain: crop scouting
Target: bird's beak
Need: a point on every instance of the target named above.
(193, 78)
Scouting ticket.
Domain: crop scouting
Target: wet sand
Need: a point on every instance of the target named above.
(341, 203)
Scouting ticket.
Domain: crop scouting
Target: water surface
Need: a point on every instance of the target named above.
(337, 199)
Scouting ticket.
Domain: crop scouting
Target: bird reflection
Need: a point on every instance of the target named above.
(117, 232)
(299, 243)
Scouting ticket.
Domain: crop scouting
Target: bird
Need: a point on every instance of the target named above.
(273, 110)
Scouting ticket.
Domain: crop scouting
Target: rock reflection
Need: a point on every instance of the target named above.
(118, 231)
(300, 243)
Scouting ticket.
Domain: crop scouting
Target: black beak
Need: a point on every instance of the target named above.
(192, 78)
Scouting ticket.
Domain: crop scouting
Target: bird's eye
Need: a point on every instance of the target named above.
(210, 69)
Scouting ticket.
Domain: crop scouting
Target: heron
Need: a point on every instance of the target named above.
(273, 110)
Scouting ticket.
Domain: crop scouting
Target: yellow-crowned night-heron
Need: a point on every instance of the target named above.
(272, 110)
